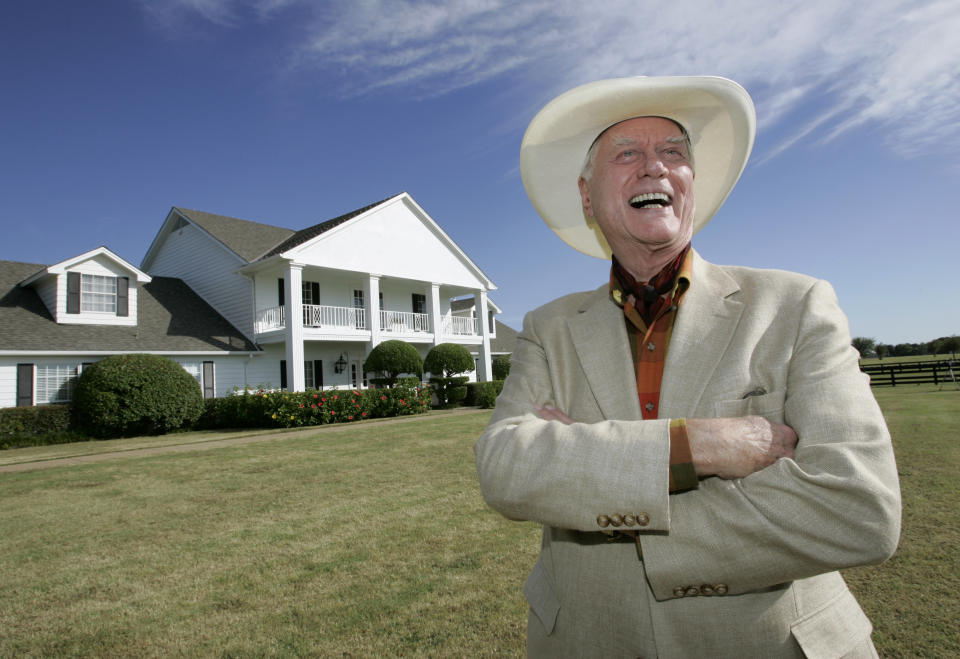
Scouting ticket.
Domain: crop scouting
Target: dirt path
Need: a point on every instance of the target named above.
(220, 443)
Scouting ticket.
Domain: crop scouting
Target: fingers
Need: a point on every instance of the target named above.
(550, 413)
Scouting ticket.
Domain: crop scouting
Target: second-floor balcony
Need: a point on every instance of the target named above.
(340, 319)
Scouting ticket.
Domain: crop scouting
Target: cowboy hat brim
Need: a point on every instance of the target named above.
(716, 112)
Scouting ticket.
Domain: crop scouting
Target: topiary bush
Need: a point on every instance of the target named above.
(446, 362)
(126, 395)
(391, 358)
(501, 367)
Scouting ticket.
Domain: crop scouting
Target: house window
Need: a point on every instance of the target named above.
(55, 382)
(358, 304)
(24, 385)
(97, 294)
(419, 303)
(313, 374)
(311, 292)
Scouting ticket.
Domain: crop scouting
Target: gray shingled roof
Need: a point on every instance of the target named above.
(506, 339)
(248, 239)
(304, 235)
(171, 317)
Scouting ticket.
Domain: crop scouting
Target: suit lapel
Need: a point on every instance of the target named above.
(600, 339)
(705, 324)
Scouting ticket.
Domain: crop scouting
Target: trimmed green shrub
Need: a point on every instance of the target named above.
(445, 362)
(483, 394)
(135, 395)
(448, 359)
(501, 367)
(39, 425)
(488, 392)
(391, 358)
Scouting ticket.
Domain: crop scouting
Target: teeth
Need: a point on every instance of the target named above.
(650, 199)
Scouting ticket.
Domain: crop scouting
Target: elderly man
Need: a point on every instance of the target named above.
(697, 440)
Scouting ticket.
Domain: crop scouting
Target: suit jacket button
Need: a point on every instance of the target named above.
(629, 520)
(692, 591)
(678, 592)
(642, 519)
(706, 589)
(720, 589)
(616, 520)
(603, 521)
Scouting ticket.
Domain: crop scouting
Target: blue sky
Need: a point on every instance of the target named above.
(291, 112)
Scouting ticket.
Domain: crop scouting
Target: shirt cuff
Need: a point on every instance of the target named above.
(682, 474)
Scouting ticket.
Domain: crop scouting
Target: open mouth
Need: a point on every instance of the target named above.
(650, 200)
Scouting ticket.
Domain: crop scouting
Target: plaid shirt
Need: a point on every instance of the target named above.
(650, 309)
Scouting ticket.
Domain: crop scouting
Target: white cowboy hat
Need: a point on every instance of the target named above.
(716, 112)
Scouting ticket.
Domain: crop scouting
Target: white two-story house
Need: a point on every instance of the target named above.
(316, 301)
(215, 293)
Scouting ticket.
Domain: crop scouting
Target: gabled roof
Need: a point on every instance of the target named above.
(170, 318)
(62, 266)
(304, 235)
(249, 240)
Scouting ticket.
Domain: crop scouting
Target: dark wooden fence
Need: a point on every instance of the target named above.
(944, 371)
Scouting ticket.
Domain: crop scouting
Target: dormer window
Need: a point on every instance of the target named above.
(97, 294)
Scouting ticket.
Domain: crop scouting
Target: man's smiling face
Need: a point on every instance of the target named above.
(640, 187)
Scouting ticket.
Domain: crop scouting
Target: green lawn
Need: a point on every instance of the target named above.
(362, 543)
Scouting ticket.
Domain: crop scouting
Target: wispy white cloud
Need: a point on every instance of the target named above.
(892, 63)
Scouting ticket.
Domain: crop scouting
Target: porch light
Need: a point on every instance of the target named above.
(340, 364)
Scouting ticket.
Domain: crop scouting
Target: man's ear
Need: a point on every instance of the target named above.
(585, 197)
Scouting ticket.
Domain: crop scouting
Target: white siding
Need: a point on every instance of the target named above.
(46, 288)
(392, 241)
(210, 270)
(8, 381)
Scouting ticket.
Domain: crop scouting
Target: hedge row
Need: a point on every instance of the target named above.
(284, 409)
(36, 426)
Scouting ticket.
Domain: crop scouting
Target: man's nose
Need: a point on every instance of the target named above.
(653, 167)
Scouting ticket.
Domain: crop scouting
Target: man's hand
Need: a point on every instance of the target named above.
(550, 413)
(737, 447)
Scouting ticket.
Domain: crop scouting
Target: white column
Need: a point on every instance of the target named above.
(293, 300)
(373, 309)
(486, 367)
(436, 320)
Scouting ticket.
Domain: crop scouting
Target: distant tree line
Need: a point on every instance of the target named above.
(945, 345)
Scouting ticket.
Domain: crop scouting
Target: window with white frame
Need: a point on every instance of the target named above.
(98, 293)
(55, 382)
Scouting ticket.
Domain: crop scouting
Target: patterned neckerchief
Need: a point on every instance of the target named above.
(651, 297)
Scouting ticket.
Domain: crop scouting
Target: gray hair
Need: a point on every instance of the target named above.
(587, 170)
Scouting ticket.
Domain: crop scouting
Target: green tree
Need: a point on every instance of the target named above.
(882, 350)
(863, 345)
(392, 358)
(950, 344)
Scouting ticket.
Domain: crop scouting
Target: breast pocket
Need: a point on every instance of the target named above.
(769, 406)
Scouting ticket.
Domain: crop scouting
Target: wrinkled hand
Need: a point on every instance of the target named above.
(550, 413)
(737, 447)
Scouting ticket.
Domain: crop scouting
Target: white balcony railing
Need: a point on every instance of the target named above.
(317, 315)
(404, 322)
(314, 315)
(460, 326)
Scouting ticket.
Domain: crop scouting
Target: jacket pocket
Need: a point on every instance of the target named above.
(542, 597)
(834, 629)
(769, 406)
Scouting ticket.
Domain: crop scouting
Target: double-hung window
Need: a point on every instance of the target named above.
(97, 294)
(55, 383)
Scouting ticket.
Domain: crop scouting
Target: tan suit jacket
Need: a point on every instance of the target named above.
(736, 568)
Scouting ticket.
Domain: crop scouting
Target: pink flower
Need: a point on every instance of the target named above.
(336, 397)
(313, 405)
(301, 405)
(364, 414)
(315, 396)
(349, 418)
(383, 397)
